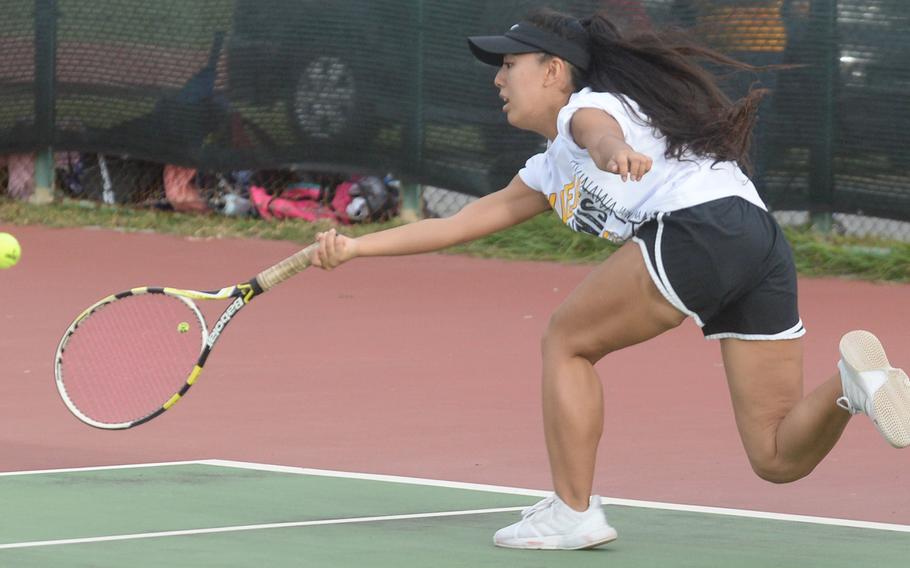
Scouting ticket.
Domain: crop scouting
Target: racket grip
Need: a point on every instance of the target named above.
(288, 267)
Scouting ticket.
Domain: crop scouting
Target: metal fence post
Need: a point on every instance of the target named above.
(821, 159)
(45, 80)
(410, 202)
(44, 178)
(410, 192)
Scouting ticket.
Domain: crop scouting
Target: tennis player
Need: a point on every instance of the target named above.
(645, 149)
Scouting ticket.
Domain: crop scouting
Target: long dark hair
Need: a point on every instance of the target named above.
(661, 72)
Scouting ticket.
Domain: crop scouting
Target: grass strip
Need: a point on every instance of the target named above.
(543, 238)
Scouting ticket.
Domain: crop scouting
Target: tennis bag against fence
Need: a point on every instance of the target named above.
(362, 199)
(308, 202)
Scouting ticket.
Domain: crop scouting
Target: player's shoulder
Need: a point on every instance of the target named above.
(589, 98)
(585, 99)
(621, 108)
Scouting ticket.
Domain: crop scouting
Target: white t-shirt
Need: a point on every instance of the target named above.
(594, 201)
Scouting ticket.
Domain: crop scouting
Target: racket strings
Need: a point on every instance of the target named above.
(129, 357)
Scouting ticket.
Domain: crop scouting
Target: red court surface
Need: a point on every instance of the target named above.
(423, 366)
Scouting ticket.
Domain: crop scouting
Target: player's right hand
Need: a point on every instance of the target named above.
(334, 249)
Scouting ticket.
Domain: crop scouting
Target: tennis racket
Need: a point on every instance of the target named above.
(133, 355)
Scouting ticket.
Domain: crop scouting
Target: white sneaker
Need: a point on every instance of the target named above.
(553, 525)
(875, 388)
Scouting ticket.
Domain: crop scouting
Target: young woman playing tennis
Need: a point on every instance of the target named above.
(699, 243)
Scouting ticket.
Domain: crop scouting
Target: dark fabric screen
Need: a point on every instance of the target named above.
(389, 85)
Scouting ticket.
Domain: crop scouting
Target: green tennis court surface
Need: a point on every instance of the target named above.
(229, 514)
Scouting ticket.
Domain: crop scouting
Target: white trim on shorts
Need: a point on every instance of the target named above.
(661, 280)
(796, 331)
(666, 290)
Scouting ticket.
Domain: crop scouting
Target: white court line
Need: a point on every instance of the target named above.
(240, 528)
(98, 468)
(376, 477)
(452, 485)
(537, 493)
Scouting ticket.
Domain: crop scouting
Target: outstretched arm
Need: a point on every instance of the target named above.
(494, 212)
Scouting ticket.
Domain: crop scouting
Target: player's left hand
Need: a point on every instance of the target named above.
(627, 163)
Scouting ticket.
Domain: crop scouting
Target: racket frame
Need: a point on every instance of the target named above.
(242, 294)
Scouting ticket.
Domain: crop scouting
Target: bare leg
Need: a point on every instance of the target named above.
(573, 422)
(785, 434)
(615, 306)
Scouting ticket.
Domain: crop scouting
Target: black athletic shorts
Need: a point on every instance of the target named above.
(727, 264)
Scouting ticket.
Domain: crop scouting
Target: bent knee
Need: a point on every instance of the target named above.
(562, 339)
(776, 470)
(557, 339)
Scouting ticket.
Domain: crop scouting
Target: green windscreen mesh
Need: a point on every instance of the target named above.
(390, 86)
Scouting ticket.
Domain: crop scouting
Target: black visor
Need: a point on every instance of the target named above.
(525, 37)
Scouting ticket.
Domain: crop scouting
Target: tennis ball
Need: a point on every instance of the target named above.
(9, 250)
(183, 327)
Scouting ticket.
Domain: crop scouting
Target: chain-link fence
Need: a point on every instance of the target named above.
(438, 202)
(138, 183)
(266, 194)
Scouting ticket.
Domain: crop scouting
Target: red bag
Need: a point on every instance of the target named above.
(301, 202)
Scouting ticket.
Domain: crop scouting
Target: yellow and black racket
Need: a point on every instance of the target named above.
(131, 356)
